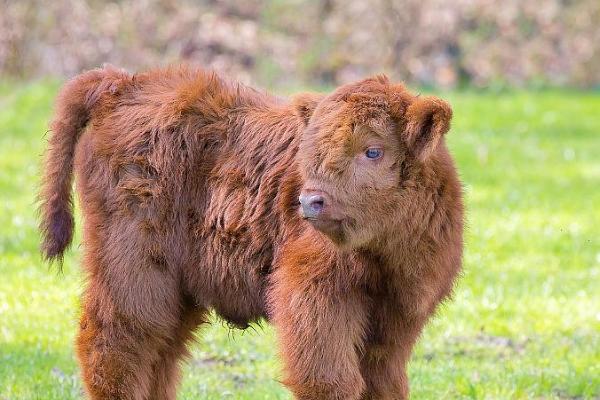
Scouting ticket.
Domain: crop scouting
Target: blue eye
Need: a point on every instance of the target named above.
(373, 153)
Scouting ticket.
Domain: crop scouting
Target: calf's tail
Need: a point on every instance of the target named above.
(72, 114)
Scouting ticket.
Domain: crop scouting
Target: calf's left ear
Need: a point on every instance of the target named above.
(427, 120)
(304, 105)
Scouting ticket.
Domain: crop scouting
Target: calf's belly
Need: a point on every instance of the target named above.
(231, 278)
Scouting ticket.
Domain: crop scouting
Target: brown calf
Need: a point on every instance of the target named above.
(337, 217)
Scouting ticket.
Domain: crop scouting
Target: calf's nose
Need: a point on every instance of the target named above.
(312, 204)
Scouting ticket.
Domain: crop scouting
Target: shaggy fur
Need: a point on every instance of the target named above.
(189, 188)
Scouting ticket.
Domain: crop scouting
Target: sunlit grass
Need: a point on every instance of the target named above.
(525, 320)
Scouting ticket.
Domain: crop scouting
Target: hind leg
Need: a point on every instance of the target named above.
(167, 371)
(115, 358)
(131, 309)
(125, 360)
(118, 351)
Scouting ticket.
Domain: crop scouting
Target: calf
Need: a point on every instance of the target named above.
(336, 217)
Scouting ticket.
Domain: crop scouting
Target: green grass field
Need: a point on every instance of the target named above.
(525, 320)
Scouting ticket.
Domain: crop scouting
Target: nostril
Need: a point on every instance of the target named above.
(312, 204)
(317, 203)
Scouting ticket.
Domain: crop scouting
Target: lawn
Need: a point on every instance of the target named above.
(525, 319)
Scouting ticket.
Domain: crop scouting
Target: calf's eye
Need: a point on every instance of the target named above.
(373, 153)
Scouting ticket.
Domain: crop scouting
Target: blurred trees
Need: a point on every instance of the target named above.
(427, 42)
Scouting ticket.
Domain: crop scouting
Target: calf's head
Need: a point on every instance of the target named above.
(355, 145)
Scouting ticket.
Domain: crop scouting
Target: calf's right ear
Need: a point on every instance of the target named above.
(304, 105)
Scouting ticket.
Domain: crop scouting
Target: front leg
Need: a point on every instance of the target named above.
(387, 352)
(384, 371)
(319, 338)
(320, 328)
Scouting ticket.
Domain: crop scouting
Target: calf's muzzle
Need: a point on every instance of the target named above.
(313, 203)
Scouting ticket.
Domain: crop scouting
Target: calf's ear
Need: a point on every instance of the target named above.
(427, 120)
(304, 105)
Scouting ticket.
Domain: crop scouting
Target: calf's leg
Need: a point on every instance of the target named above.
(167, 370)
(319, 338)
(116, 356)
(384, 371)
(384, 362)
(134, 324)
(125, 358)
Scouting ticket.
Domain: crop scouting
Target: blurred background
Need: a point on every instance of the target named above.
(425, 42)
(523, 78)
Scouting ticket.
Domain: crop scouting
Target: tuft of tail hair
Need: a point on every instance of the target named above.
(71, 116)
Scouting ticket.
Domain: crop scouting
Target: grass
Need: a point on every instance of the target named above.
(525, 320)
